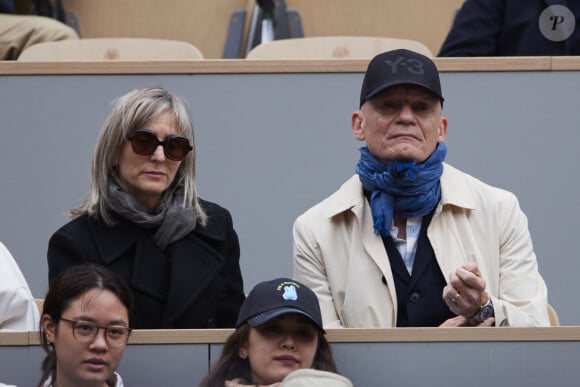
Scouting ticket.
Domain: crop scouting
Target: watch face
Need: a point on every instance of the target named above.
(485, 313)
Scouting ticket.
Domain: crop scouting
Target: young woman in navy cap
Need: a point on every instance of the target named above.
(279, 330)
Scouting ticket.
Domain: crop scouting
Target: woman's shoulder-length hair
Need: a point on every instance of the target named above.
(129, 113)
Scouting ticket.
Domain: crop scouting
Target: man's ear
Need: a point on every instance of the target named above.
(357, 125)
(443, 124)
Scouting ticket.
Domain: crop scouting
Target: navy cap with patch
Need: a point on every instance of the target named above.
(400, 67)
(280, 296)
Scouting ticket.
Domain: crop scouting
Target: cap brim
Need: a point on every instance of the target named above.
(386, 85)
(264, 317)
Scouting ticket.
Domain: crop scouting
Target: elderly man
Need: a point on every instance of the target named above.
(410, 240)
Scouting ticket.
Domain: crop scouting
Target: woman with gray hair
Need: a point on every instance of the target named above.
(142, 219)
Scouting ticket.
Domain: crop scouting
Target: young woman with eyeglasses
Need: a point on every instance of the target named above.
(142, 218)
(84, 328)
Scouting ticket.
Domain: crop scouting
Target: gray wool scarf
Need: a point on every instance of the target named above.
(172, 220)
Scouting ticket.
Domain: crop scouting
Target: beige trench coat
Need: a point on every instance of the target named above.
(338, 255)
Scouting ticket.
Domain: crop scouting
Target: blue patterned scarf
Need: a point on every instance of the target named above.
(403, 187)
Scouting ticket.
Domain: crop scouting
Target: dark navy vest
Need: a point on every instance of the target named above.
(419, 296)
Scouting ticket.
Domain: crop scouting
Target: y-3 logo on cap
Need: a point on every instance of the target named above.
(413, 66)
(290, 293)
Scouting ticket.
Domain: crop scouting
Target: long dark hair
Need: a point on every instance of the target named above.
(230, 365)
(68, 286)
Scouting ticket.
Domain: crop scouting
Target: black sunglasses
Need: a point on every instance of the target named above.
(145, 142)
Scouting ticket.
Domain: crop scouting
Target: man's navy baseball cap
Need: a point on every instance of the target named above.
(400, 67)
(280, 296)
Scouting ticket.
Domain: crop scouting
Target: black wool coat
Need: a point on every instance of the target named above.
(195, 282)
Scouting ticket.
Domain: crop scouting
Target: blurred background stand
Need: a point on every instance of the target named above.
(270, 20)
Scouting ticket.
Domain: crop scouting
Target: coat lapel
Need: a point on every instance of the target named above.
(451, 250)
(194, 264)
(373, 244)
(113, 242)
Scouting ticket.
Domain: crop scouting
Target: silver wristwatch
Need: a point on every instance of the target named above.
(485, 312)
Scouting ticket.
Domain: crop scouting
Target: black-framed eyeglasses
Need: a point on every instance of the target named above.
(85, 331)
(144, 142)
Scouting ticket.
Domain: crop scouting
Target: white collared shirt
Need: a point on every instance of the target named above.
(408, 247)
